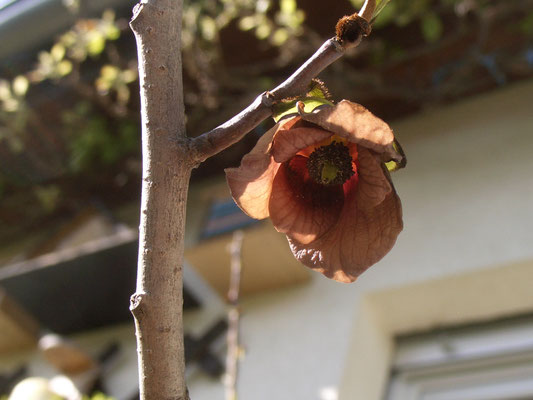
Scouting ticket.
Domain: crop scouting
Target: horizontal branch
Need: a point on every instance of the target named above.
(230, 132)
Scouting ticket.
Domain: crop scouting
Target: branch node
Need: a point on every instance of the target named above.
(138, 304)
(267, 99)
(137, 11)
(301, 108)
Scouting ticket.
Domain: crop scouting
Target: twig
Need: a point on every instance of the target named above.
(232, 357)
(367, 11)
(230, 132)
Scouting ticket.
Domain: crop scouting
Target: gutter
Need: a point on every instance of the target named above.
(26, 25)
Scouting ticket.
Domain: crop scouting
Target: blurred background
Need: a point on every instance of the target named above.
(446, 315)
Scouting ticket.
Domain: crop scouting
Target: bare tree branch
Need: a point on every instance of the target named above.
(230, 132)
(367, 11)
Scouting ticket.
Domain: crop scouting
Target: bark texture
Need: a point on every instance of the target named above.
(158, 302)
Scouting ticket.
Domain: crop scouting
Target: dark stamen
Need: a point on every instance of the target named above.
(331, 164)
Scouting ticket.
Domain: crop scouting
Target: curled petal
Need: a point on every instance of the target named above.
(297, 209)
(289, 142)
(251, 183)
(355, 123)
(374, 182)
(358, 240)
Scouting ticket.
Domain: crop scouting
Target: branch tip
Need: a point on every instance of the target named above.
(351, 29)
(137, 302)
(368, 9)
(267, 99)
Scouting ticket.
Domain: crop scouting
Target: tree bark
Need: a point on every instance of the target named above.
(158, 302)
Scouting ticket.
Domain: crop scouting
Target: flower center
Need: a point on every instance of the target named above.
(331, 164)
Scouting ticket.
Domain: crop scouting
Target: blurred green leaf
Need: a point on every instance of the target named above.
(95, 142)
(393, 165)
(114, 79)
(5, 90)
(280, 36)
(52, 65)
(248, 22)
(48, 196)
(64, 68)
(380, 5)
(288, 6)
(291, 108)
(98, 396)
(208, 27)
(385, 16)
(526, 25)
(263, 30)
(318, 95)
(432, 27)
(57, 52)
(96, 43)
(20, 85)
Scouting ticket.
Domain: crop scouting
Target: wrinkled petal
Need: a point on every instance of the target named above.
(288, 142)
(298, 209)
(355, 123)
(358, 240)
(365, 230)
(251, 183)
(374, 182)
(340, 230)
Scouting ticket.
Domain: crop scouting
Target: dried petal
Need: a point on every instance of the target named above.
(355, 123)
(251, 183)
(360, 238)
(288, 142)
(337, 229)
(374, 182)
(365, 230)
(298, 209)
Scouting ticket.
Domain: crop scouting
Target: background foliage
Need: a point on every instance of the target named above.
(69, 113)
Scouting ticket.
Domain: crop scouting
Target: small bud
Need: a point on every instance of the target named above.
(351, 29)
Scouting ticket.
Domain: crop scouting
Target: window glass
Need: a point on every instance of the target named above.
(492, 361)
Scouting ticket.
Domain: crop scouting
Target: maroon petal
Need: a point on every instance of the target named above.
(289, 142)
(355, 123)
(365, 230)
(251, 183)
(355, 243)
(300, 208)
(374, 183)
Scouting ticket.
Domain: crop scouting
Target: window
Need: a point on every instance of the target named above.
(483, 362)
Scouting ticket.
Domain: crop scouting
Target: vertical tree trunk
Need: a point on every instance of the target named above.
(157, 303)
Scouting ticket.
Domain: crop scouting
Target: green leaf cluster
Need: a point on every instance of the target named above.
(95, 141)
(404, 12)
(273, 21)
(316, 96)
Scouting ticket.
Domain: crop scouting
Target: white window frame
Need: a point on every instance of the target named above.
(483, 362)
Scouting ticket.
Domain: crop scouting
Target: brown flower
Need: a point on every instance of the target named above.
(321, 178)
